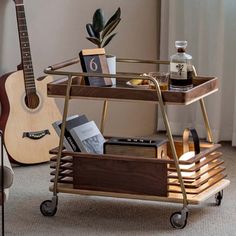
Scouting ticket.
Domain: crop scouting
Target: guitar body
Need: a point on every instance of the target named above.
(28, 133)
(27, 113)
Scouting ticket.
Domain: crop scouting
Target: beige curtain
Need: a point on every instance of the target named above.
(210, 29)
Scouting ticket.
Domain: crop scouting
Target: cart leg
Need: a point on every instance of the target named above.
(179, 219)
(104, 114)
(205, 117)
(171, 140)
(49, 207)
(206, 121)
(219, 197)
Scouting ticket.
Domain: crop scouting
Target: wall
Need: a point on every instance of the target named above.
(57, 32)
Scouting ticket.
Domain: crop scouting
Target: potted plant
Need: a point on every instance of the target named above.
(101, 32)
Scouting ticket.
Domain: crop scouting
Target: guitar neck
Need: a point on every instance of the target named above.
(25, 48)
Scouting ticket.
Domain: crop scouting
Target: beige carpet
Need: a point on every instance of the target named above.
(81, 215)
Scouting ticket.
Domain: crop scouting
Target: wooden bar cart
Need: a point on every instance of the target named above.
(159, 179)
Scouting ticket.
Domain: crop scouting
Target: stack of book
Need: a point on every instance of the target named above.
(81, 135)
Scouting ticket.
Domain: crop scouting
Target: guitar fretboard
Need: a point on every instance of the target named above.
(25, 50)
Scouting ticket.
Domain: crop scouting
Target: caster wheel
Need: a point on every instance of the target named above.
(178, 221)
(219, 197)
(47, 208)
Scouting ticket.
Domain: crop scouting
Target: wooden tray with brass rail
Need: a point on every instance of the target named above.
(203, 86)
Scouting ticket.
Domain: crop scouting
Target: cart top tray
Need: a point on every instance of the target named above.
(203, 86)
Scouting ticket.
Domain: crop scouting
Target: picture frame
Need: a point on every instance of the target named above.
(94, 61)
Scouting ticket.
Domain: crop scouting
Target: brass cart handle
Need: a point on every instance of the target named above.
(124, 60)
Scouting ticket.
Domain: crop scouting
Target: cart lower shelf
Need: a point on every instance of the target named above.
(173, 197)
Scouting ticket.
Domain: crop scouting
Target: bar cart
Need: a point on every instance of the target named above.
(158, 179)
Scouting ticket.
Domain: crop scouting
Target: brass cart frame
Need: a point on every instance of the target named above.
(178, 219)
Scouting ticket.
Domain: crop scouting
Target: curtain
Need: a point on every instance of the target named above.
(210, 29)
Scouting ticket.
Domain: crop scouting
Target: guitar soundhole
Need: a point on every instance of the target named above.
(32, 100)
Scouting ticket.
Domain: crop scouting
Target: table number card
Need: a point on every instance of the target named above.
(94, 61)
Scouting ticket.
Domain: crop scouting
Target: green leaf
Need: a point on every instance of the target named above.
(98, 20)
(110, 27)
(108, 40)
(95, 41)
(115, 16)
(90, 30)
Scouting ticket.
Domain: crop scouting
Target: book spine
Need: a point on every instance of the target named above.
(65, 141)
(77, 140)
(71, 141)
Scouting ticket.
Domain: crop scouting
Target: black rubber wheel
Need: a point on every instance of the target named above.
(219, 197)
(47, 209)
(177, 221)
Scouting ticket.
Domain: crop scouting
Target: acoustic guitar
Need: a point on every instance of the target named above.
(26, 111)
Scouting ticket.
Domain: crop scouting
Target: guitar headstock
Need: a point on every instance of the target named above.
(18, 1)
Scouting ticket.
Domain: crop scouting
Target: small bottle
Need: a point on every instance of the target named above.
(181, 71)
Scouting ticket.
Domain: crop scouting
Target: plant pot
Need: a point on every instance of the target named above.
(111, 62)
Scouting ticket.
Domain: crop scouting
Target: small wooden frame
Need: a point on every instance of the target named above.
(94, 61)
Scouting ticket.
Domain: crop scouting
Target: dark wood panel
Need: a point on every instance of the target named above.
(211, 182)
(199, 164)
(200, 181)
(120, 176)
(63, 173)
(65, 166)
(198, 174)
(62, 179)
(63, 159)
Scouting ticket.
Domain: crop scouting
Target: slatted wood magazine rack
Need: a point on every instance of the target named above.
(161, 179)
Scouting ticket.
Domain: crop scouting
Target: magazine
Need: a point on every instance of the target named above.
(71, 122)
(88, 137)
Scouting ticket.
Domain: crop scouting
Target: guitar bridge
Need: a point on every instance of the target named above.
(36, 134)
